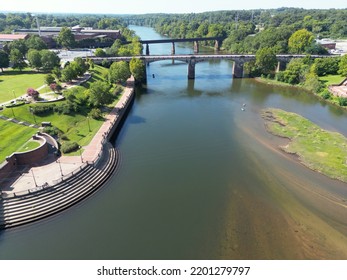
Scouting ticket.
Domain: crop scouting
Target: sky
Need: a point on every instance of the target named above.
(157, 6)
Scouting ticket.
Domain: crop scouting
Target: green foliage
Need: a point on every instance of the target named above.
(266, 60)
(300, 41)
(295, 72)
(326, 94)
(35, 42)
(137, 69)
(17, 59)
(312, 82)
(342, 101)
(65, 38)
(343, 66)
(99, 94)
(68, 147)
(327, 66)
(69, 73)
(100, 52)
(19, 45)
(4, 60)
(43, 59)
(34, 58)
(49, 79)
(49, 60)
(95, 113)
(119, 72)
(52, 130)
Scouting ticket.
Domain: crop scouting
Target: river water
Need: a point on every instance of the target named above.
(201, 179)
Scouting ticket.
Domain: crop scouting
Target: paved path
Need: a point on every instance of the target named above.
(50, 171)
(339, 90)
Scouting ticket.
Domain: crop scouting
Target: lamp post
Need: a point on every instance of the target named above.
(32, 112)
(79, 149)
(14, 95)
(88, 123)
(32, 172)
(61, 171)
(13, 113)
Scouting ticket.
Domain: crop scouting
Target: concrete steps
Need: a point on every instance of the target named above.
(31, 207)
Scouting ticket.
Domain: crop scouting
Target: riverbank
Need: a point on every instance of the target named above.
(332, 99)
(318, 149)
(51, 171)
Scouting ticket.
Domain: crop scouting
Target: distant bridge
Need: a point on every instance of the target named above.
(192, 59)
(217, 43)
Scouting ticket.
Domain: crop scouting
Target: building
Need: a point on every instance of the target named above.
(86, 34)
(328, 44)
(7, 38)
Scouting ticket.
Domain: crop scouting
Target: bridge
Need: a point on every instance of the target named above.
(192, 59)
(217, 43)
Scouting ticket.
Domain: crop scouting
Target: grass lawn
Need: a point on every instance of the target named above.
(19, 82)
(13, 136)
(332, 79)
(318, 149)
(28, 146)
(75, 127)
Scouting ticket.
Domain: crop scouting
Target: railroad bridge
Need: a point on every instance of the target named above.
(193, 59)
(217, 43)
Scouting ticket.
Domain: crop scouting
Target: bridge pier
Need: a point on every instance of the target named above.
(217, 45)
(196, 47)
(191, 68)
(147, 49)
(238, 69)
(281, 65)
(173, 49)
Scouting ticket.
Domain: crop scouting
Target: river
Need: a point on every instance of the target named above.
(201, 179)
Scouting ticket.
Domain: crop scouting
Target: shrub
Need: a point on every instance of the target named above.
(51, 130)
(326, 94)
(43, 110)
(342, 101)
(34, 94)
(95, 114)
(68, 147)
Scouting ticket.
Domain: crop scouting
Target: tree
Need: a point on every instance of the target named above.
(99, 52)
(34, 58)
(343, 66)
(68, 74)
(119, 72)
(49, 79)
(34, 94)
(295, 72)
(19, 45)
(312, 82)
(99, 94)
(137, 68)
(300, 40)
(49, 60)
(4, 60)
(327, 65)
(56, 71)
(65, 38)
(35, 42)
(266, 60)
(80, 65)
(17, 59)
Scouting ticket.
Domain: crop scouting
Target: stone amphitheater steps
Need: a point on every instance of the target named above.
(35, 206)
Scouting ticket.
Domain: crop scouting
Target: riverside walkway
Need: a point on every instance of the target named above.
(51, 171)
